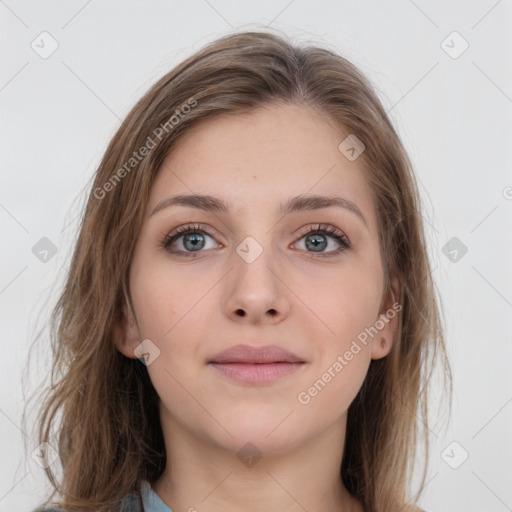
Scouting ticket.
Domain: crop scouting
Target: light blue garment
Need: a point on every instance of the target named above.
(151, 500)
(131, 503)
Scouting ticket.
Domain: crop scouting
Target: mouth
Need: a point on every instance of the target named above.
(257, 373)
(255, 355)
(256, 365)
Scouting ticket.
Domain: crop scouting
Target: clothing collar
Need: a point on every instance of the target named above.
(150, 499)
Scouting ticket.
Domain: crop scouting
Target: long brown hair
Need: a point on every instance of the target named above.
(101, 411)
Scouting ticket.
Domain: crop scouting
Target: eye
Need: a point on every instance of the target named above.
(189, 239)
(316, 238)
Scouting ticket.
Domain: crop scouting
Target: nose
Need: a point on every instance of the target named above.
(256, 291)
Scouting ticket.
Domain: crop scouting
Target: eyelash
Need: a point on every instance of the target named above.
(325, 229)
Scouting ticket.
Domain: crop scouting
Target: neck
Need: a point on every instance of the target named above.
(201, 475)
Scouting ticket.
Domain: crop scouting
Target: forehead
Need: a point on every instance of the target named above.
(262, 158)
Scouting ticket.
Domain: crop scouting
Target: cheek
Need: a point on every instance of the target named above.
(332, 391)
(164, 295)
(348, 305)
(170, 303)
(344, 303)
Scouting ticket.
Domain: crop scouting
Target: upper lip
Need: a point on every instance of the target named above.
(255, 355)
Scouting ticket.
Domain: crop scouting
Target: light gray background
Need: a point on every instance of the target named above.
(454, 115)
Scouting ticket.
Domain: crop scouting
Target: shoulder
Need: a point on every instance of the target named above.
(49, 510)
(130, 503)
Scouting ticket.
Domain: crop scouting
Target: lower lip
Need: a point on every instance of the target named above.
(256, 373)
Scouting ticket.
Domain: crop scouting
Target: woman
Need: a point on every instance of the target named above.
(249, 321)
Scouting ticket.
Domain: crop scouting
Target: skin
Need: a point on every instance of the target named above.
(189, 307)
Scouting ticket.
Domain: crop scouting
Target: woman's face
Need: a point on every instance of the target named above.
(251, 275)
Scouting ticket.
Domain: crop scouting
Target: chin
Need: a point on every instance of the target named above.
(268, 434)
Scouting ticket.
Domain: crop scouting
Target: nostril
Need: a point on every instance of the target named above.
(241, 312)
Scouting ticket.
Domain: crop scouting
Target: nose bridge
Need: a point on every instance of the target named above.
(254, 263)
(255, 290)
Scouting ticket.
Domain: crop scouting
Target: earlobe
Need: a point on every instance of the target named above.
(380, 348)
(125, 334)
(388, 322)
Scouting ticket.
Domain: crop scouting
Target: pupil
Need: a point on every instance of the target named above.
(316, 243)
(196, 241)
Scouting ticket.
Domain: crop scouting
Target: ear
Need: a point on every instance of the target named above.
(126, 334)
(387, 322)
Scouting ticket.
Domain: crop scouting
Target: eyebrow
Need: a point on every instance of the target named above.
(295, 204)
